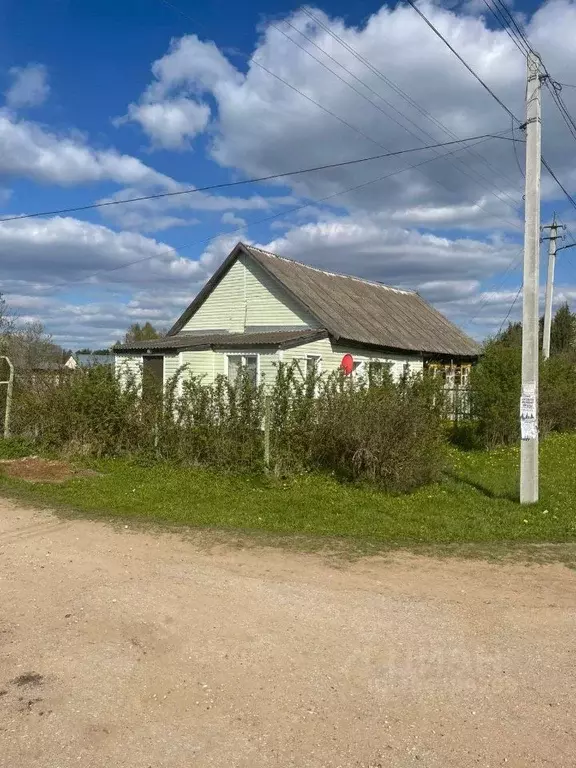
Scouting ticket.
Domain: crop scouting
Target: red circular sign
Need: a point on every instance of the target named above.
(347, 364)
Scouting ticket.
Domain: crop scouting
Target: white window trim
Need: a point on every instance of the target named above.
(243, 354)
(304, 360)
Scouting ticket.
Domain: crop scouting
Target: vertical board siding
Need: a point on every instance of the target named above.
(171, 365)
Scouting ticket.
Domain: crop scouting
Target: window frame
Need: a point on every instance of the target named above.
(242, 354)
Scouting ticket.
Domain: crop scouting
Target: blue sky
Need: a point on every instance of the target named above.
(109, 100)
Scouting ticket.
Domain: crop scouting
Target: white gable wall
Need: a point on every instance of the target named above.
(248, 296)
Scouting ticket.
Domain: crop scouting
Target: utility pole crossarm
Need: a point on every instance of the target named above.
(549, 287)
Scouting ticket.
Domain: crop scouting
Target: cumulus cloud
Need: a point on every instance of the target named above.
(170, 110)
(29, 150)
(29, 86)
(230, 218)
(261, 126)
(63, 250)
(365, 246)
(170, 124)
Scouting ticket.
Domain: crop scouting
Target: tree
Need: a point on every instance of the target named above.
(138, 332)
(562, 330)
(510, 336)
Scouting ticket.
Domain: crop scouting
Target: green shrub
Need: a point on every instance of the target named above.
(558, 394)
(495, 394)
(389, 433)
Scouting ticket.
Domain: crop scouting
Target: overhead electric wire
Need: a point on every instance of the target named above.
(263, 220)
(391, 84)
(510, 310)
(510, 18)
(469, 68)
(457, 162)
(252, 60)
(502, 22)
(551, 172)
(462, 61)
(257, 180)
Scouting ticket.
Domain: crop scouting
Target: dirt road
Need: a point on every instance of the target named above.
(124, 649)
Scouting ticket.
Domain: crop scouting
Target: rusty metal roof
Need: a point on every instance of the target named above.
(197, 341)
(367, 312)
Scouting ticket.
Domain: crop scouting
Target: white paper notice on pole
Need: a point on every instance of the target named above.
(528, 422)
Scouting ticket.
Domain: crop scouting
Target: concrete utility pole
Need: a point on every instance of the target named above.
(549, 286)
(529, 396)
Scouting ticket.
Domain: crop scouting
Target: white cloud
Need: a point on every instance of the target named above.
(29, 150)
(365, 246)
(61, 251)
(230, 218)
(260, 126)
(29, 86)
(166, 112)
(171, 124)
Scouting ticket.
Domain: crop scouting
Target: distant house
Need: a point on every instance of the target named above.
(88, 360)
(259, 309)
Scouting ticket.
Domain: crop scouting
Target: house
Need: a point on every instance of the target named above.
(87, 360)
(259, 309)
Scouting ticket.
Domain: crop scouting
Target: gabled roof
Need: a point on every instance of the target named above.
(352, 309)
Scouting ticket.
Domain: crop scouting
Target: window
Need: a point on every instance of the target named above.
(312, 365)
(237, 362)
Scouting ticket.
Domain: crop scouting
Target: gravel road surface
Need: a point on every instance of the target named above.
(128, 649)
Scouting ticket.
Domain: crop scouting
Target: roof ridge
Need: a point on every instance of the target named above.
(330, 272)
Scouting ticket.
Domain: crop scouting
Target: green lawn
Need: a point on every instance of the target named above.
(475, 502)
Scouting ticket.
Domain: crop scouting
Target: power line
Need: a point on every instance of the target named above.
(502, 22)
(265, 219)
(462, 61)
(510, 310)
(392, 85)
(551, 172)
(509, 17)
(258, 180)
(252, 60)
(469, 68)
(489, 185)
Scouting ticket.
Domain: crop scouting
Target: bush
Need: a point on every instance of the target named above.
(558, 394)
(495, 397)
(389, 433)
(495, 394)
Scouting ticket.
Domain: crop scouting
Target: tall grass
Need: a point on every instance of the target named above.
(389, 433)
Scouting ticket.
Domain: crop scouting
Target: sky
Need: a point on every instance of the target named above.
(103, 101)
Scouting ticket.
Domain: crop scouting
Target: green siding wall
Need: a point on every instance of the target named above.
(199, 363)
(224, 308)
(128, 366)
(332, 355)
(267, 304)
(247, 296)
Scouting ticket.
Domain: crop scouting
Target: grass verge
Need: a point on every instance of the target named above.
(475, 506)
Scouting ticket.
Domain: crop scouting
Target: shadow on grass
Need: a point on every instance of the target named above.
(485, 491)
